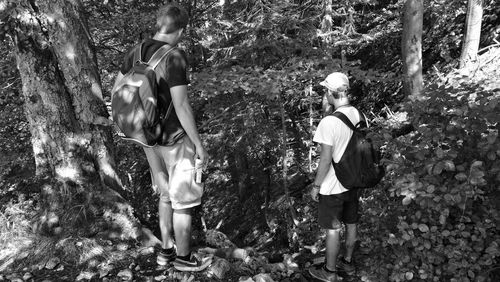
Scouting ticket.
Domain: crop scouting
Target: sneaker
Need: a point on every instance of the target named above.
(322, 274)
(346, 267)
(164, 257)
(194, 264)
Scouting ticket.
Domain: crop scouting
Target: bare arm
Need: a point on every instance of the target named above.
(119, 77)
(325, 159)
(185, 114)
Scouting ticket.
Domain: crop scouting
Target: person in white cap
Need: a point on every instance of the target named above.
(336, 205)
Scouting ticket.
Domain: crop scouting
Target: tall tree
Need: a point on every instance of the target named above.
(411, 47)
(472, 34)
(71, 137)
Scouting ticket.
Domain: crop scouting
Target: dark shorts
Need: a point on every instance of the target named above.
(336, 209)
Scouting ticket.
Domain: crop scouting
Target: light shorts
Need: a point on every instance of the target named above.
(337, 208)
(173, 174)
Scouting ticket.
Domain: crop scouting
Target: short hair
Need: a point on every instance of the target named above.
(173, 17)
(339, 93)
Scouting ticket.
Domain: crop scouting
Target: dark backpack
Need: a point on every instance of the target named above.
(359, 166)
(134, 102)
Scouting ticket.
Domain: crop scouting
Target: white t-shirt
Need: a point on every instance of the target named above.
(333, 132)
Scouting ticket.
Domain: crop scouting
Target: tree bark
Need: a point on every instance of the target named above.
(411, 48)
(472, 33)
(71, 137)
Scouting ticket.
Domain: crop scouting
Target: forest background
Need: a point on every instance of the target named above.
(255, 70)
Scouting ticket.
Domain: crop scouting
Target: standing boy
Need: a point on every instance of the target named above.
(337, 205)
(172, 161)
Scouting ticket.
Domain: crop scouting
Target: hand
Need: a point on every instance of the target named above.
(314, 193)
(202, 154)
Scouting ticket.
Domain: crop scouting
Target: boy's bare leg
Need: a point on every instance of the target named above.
(165, 213)
(182, 228)
(350, 240)
(332, 248)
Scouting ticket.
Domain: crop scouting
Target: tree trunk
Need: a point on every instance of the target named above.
(71, 137)
(472, 32)
(411, 48)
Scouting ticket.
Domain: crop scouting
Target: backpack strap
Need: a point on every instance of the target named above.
(347, 121)
(138, 54)
(153, 63)
(159, 55)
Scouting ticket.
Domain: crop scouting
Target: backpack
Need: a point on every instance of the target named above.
(359, 166)
(134, 102)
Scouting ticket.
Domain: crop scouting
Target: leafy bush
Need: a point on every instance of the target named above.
(446, 175)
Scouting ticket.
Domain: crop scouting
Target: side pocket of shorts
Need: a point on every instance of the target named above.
(184, 189)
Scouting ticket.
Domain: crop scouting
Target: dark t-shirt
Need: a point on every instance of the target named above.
(173, 72)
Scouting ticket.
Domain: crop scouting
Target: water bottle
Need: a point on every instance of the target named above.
(199, 170)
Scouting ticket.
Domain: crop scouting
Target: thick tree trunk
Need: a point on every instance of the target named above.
(71, 139)
(411, 48)
(472, 32)
(63, 94)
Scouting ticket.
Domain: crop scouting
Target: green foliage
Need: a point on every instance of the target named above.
(446, 175)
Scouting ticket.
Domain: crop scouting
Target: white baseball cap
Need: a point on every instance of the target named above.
(336, 81)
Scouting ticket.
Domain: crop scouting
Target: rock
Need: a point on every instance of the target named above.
(126, 274)
(52, 263)
(289, 261)
(103, 273)
(275, 267)
(218, 239)
(27, 276)
(85, 275)
(92, 263)
(147, 251)
(137, 268)
(219, 268)
(240, 254)
(122, 247)
(245, 279)
(60, 268)
(104, 269)
(160, 278)
(263, 277)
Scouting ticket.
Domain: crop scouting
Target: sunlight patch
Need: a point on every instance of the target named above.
(70, 52)
(96, 89)
(26, 18)
(50, 18)
(66, 172)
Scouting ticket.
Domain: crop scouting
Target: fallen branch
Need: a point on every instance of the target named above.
(489, 47)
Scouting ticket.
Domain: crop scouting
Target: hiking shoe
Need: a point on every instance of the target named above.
(164, 256)
(322, 274)
(194, 264)
(346, 267)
